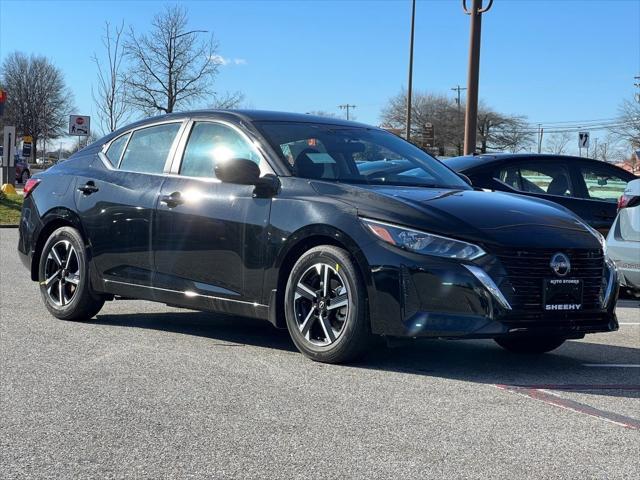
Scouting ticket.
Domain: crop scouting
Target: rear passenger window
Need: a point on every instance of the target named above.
(114, 152)
(148, 148)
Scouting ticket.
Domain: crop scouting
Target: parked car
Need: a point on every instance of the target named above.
(623, 241)
(590, 188)
(281, 217)
(23, 171)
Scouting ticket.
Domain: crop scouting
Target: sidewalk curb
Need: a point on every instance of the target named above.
(9, 226)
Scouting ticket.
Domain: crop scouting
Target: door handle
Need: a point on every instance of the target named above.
(172, 200)
(88, 188)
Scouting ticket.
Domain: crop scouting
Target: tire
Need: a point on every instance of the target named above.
(332, 325)
(72, 299)
(24, 176)
(530, 345)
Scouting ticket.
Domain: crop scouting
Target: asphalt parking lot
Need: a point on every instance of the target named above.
(148, 391)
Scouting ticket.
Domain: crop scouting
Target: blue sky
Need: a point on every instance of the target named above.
(549, 60)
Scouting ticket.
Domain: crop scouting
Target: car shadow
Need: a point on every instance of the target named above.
(478, 361)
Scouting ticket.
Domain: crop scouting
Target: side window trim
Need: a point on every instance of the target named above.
(124, 149)
(176, 161)
(172, 150)
(105, 148)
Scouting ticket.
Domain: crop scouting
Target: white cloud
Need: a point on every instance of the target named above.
(224, 61)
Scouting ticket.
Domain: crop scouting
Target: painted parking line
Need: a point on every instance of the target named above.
(551, 398)
(629, 323)
(611, 365)
(580, 387)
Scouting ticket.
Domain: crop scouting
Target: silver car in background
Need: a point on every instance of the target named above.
(623, 241)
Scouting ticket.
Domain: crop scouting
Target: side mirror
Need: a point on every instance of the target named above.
(238, 170)
(245, 172)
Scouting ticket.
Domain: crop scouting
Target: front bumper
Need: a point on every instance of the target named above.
(443, 298)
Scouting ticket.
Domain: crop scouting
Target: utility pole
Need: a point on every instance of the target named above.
(458, 89)
(346, 107)
(410, 82)
(540, 133)
(471, 120)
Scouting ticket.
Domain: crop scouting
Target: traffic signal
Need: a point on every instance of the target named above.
(3, 99)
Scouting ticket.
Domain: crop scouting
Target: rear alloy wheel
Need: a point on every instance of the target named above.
(325, 306)
(64, 277)
(530, 344)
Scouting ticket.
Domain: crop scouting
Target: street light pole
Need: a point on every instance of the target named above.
(471, 119)
(410, 82)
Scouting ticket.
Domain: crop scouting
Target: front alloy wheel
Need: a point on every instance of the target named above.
(325, 306)
(321, 304)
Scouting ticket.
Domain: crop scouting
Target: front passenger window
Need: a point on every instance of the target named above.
(603, 184)
(210, 143)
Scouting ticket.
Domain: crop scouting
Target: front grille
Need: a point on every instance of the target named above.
(527, 269)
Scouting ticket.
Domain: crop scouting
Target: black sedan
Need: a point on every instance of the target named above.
(338, 231)
(590, 188)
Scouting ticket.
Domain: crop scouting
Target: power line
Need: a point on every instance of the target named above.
(579, 121)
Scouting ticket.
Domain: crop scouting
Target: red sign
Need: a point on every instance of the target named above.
(79, 120)
(3, 96)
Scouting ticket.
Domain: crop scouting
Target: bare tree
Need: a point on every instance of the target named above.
(322, 113)
(170, 66)
(513, 135)
(612, 149)
(438, 110)
(38, 101)
(628, 129)
(110, 95)
(228, 100)
(495, 130)
(499, 132)
(557, 142)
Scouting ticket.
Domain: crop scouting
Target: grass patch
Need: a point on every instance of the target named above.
(10, 207)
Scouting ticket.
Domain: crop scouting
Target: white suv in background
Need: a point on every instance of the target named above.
(623, 241)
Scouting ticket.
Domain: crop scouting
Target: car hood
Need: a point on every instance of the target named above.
(496, 218)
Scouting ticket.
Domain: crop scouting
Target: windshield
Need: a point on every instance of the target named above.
(355, 155)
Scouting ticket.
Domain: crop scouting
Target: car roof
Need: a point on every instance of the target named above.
(469, 162)
(239, 114)
(254, 116)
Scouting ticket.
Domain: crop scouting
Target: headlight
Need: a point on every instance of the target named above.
(422, 242)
